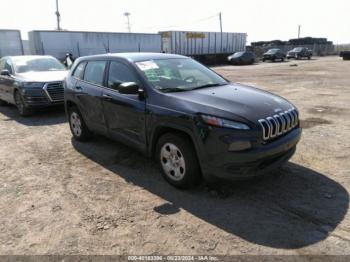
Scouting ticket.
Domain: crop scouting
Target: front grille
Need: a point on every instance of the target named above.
(55, 91)
(279, 124)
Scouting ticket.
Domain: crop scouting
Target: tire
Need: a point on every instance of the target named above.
(263, 60)
(282, 59)
(21, 107)
(177, 160)
(2, 103)
(309, 57)
(77, 125)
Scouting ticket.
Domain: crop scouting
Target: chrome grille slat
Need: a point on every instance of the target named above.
(278, 124)
(54, 91)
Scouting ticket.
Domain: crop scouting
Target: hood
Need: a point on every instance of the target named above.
(233, 101)
(46, 76)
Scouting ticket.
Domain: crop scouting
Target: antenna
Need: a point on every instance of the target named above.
(127, 15)
(58, 17)
(299, 29)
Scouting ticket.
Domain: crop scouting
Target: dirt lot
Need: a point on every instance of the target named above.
(58, 196)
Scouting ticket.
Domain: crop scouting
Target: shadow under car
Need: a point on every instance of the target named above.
(297, 208)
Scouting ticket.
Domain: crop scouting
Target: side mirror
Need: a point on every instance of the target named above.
(128, 88)
(5, 72)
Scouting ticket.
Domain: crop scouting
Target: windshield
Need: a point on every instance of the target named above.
(298, 49)
(238, 54)
(179, 74)
(272, 51)
(37, 64)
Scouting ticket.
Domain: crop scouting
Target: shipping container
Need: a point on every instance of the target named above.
(58, 43)
(10, 43)
(202, 43)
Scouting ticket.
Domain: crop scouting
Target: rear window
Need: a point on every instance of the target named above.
(94, 72)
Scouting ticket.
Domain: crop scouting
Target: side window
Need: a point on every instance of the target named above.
(79, 70)
(94, 72)
(8, 66)
(118, 74)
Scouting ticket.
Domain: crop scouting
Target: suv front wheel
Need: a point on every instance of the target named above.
(77, 125)
(21, 107)
(177, 160)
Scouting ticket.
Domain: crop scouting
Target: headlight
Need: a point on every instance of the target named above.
(220, 122)
(33, 85)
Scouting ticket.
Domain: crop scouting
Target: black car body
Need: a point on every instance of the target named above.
(155, 103)
(345, 55)
(273, 55)
(31, 82)
(242, 58)
(299, 53)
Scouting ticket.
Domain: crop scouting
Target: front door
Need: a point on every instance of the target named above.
(7, 82)
(125, 114)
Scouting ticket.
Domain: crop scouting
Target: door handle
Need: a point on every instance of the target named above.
(106, 97)
(78, 88)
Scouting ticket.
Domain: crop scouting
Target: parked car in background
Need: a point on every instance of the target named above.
(242, 58)
(299, 53)
(194, 122)
(273, 55)
(31, 82)
(345, 55)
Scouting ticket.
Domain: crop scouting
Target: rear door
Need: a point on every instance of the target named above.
(125, 114)
(88, 91)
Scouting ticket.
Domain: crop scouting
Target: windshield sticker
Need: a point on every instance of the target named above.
(147, 65)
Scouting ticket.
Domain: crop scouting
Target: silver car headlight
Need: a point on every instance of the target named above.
(220, 122)
(33, 85)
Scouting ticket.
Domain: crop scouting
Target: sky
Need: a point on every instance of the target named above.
(260, 19)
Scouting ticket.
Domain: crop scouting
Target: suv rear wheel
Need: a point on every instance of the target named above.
(177, 160)
(77, 125)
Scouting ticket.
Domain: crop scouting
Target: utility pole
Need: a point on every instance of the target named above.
(220, 18)
(127, 15)
(299, 28)
(58, 17)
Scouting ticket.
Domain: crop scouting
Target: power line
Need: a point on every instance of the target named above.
(178, 25)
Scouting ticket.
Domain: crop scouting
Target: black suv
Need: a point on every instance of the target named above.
(299, 53)
(273, 55)
(193, 121)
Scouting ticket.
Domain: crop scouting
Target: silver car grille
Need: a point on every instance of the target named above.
(54, 91)
(279, 124)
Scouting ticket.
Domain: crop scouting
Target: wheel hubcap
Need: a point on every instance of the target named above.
(75, 123)
(173, 162)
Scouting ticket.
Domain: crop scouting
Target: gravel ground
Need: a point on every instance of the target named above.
(59, 196)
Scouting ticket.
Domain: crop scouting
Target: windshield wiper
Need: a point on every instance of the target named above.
(171, 89)
(208, 85)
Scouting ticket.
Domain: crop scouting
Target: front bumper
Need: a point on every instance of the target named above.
(258, 160)
(38, 98)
